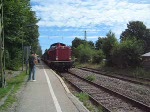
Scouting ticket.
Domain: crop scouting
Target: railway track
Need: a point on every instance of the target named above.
(135, 91)
(141, 81)
(110, 101)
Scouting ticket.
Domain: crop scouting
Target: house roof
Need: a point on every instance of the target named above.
(146, 54)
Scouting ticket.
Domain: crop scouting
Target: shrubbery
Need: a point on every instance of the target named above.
(98, 56)
(84, 53)
(127, 53)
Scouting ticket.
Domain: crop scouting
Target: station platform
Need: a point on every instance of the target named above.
(48, 94)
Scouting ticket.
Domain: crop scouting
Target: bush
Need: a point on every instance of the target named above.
(14, 60)
(98, 56)
(84, 53)
(90, 78)
(140, 72)
(127, 53)
(83, 97)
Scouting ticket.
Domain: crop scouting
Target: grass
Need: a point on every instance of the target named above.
(134, 72)
(15, 82)
(83, 97)
(87, 65)
(140, 72)
(4, 91)
(91, 78)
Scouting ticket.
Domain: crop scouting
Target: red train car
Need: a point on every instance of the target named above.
(59, 57)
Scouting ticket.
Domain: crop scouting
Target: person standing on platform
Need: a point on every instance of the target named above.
(32, 66)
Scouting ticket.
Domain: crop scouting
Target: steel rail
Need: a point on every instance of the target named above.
(118, 77)
(142, 78)
(124, 97)
(94, 101)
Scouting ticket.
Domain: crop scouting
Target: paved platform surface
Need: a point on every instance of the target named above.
(48, 94)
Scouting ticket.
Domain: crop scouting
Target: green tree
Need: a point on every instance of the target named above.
(84, 53)
(98, 56)
(39, 50)
(99, 42)
(76, 42)
(17, 18)
(127, 53)
(108, 43)
(136, 29)
(91, 44)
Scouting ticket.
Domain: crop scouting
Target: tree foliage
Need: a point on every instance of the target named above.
(136, 29)
(108, 43)
(39, 50)
(84, 53)
(98, 56)
(76, 42)
(91, 44)
(135, 40)
(99, 42)
(20, 28)
(127, 53)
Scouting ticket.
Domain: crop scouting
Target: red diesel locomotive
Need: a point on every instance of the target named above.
(58, 56)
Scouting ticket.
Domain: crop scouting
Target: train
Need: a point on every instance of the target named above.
(58, 57)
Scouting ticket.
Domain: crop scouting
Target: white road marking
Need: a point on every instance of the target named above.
(52, 93)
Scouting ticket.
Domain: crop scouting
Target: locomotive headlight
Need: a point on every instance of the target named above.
(69, 58)
(56, 57)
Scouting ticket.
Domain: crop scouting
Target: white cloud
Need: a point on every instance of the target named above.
(63, 20)
(78, 14)
(91, 13)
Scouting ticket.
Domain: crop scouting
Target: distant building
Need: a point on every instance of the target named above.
(146, 60)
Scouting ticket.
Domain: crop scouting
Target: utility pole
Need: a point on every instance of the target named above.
(85, 35)
(2, 57)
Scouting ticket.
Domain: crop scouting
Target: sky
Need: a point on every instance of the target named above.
(63, 20)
